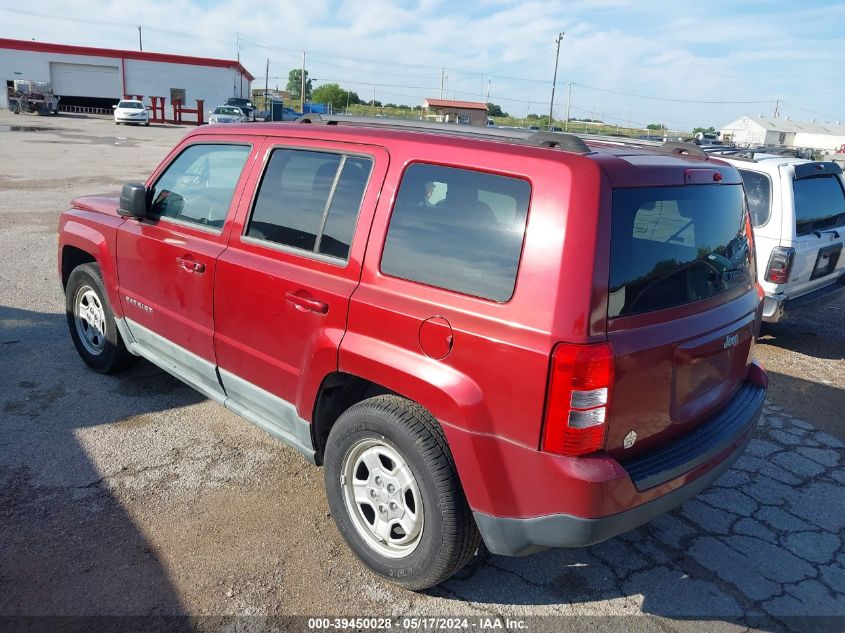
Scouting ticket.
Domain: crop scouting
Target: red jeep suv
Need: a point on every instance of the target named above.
(518, 337)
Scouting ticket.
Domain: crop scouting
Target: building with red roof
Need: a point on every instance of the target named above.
(99, 77)
(451, 111)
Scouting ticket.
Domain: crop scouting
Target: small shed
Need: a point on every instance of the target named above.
(449, 111)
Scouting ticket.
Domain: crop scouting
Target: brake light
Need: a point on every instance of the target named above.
(578, 399)
(780, 264)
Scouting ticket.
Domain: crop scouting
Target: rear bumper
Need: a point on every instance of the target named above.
(519, 537)
(619, 498)
(777, 307)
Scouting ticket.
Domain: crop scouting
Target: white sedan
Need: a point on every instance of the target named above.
(130, 111)
(227, 114)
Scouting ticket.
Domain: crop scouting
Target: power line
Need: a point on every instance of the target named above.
(671, 99)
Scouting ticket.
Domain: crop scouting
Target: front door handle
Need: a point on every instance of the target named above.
(190, 264)
(307, 304)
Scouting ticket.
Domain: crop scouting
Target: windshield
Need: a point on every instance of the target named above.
(227, 110)
(819, 204)
(130, 105)
(676, 245)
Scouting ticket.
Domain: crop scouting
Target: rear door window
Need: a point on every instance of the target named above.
(758, 192)
(310, 200)
(675, 245)
(457, 229)
(819, 204)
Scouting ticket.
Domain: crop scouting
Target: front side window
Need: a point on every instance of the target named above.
(198, 185)
(458, 229)
(819, 204)
(758, 192)
(310, 200)
(676, 245)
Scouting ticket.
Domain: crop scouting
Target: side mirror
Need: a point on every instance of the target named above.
(114, 107)
(133, 201)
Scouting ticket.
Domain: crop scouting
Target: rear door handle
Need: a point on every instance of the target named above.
(191, 265)
(307, 304)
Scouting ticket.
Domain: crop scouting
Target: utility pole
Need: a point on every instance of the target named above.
(238, 45)
(267, 87)
(302, 89)
(554, 79)
(442, 80)
(373, 104)
(487, 98)
(568, 106)
(777, 107)
(140, 41)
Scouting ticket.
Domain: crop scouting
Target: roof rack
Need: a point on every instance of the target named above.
(566, 142)
(750, 153)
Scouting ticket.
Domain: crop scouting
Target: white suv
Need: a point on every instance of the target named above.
(797, 209)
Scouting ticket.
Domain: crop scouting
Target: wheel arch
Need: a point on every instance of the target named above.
(80, 243)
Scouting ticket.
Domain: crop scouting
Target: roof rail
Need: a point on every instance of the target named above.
(566, 142)
(663, 147)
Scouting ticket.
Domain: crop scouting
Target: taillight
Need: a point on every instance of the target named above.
(780, 264)
(578, 399)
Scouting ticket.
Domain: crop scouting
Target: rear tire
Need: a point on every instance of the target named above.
(91, 322)
(394, 493)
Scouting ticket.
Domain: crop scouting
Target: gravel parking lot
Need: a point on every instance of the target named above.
(134, 495)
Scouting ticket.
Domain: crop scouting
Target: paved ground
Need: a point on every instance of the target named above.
(135, 495)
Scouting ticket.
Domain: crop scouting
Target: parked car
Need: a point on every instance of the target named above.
(480, 333)
(226, 114)
(131, 111)
(245, 105)
(798, 214)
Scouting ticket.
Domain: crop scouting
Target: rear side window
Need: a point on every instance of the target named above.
(198, 185)
(676, 245)
(457, 229)
(310, 200)
(819, 204)
(758, 192)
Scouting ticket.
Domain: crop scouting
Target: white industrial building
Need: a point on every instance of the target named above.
(750, 131)
(100, 76)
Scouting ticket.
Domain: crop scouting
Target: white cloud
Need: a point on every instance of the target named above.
(716, 51)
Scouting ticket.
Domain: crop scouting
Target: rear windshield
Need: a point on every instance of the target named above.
(675, 245)
(819, 204)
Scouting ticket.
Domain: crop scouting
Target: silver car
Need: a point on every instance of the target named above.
(226, 114)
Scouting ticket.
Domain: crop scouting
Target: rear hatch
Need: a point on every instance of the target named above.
(818, 203)
(682, 308)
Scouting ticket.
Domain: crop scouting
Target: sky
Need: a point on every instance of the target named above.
(684, 63)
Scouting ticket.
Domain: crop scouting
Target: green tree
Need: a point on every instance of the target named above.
(495, 110)
(655, 126)
(334, 94)
(704, 130)
(294, 86)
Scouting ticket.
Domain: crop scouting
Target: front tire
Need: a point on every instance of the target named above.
(394, 493)
(91, 322)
